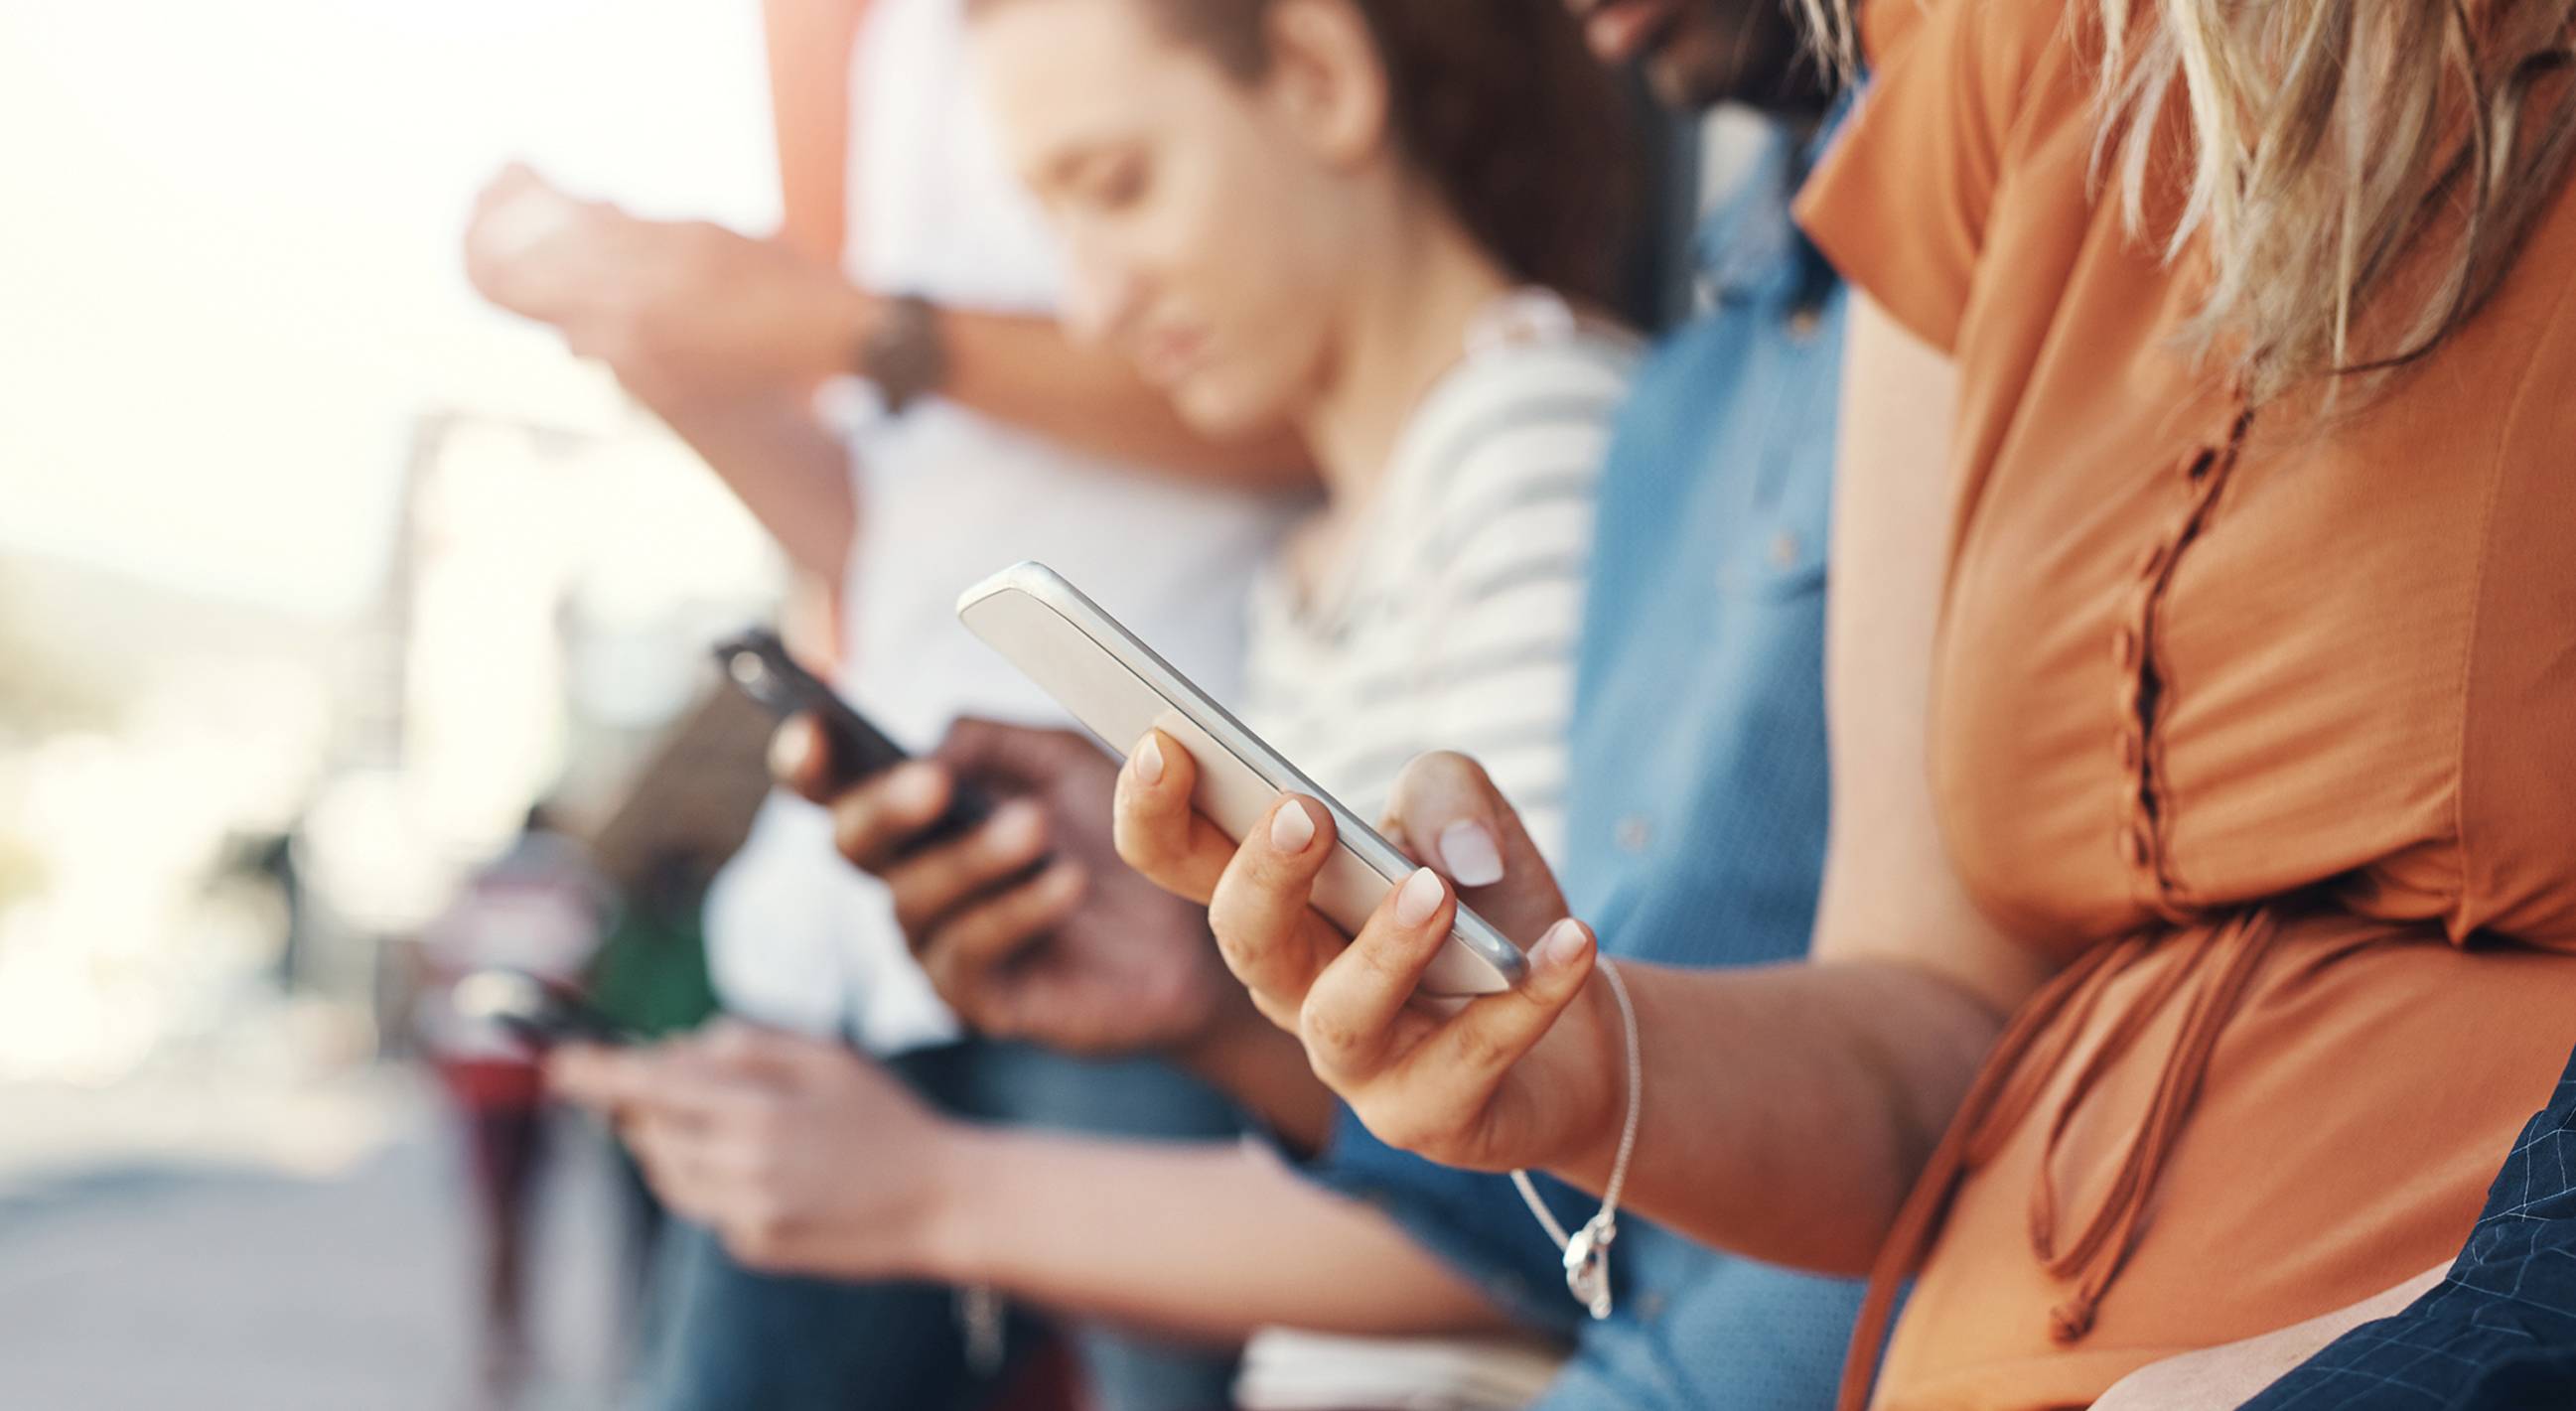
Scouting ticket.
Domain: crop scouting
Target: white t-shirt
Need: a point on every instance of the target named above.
(946, 497)
(1452, 619)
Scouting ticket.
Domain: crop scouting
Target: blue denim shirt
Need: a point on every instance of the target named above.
(1697, 818)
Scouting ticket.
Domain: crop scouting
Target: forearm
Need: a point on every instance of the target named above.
(789, 470)
(809, 45)
(1788, 1109)
(1015, 369)
(1197, 1240)
(1025, 371)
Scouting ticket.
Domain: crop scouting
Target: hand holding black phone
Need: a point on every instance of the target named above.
(535, 1013)
(758, 663)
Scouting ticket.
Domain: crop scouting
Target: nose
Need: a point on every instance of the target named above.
(1100, 294)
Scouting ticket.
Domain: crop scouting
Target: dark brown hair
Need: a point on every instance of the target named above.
(1501, 108)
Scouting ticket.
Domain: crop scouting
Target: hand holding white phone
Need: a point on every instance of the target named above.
(1119, 689)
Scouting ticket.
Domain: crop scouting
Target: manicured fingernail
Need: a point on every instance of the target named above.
(1018, 827)
(1469, 851)
(1563, 945)
(789, 748)
(1420, 897)
(914, 786)
(1290, 829)
(1149, 761)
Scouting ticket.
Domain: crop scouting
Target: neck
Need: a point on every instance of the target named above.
(1407, 323)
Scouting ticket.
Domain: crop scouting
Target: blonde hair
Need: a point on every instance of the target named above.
(2347, 156)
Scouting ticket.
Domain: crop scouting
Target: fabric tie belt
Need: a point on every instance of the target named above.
(2034, 1048)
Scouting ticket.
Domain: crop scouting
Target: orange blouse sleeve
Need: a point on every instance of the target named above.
(1901, 204)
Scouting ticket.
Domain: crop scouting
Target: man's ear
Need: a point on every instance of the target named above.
(1325, 70)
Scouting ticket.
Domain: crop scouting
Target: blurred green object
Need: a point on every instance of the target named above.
(685, 810)
(651, 973)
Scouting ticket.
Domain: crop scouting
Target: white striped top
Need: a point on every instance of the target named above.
(1451, 619)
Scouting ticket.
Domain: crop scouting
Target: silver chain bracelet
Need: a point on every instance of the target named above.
(1587, 1250)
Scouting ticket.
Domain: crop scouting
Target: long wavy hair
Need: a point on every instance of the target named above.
(2347, 157)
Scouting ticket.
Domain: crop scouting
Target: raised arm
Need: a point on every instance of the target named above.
(789, 470)
(1015, 369)
(723, 334)
(809, 44)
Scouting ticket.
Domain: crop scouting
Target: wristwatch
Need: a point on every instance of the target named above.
(900, 350)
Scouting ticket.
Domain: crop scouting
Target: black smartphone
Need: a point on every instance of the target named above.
(536, 1014)
(758, 663)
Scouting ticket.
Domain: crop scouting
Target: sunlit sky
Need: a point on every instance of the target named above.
(228, 270)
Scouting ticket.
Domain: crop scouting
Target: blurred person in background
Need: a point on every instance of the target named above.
(1390, 223)
(538, 908)
(650, 980)
(958, 429)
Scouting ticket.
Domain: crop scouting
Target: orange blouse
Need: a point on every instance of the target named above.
(2261, 723)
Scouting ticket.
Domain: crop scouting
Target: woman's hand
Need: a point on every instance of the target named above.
(800, 1154)
(1530, 1077)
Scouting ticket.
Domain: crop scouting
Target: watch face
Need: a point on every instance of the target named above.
(902, 354)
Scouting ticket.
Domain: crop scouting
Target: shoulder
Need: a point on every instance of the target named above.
(2001, 33)
(1519, 439)
(1961, 95)
(1510, 403)
(1574, 374)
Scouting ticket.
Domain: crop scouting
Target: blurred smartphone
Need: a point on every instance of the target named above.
(535, 1013)
(758, 663)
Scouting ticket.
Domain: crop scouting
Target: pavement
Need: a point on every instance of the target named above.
(209, 1244)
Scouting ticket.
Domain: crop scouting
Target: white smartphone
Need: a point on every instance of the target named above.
(1118, 688)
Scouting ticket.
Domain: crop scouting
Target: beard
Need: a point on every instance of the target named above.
(1737, 51)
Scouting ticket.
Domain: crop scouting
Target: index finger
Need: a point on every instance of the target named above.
(800, 759)
(970, 950)
(938, 880)
(1263, 913)
(1349, 1018)
(1019, 758)
(598, 1076)
(699, 1097)
(873, 821)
